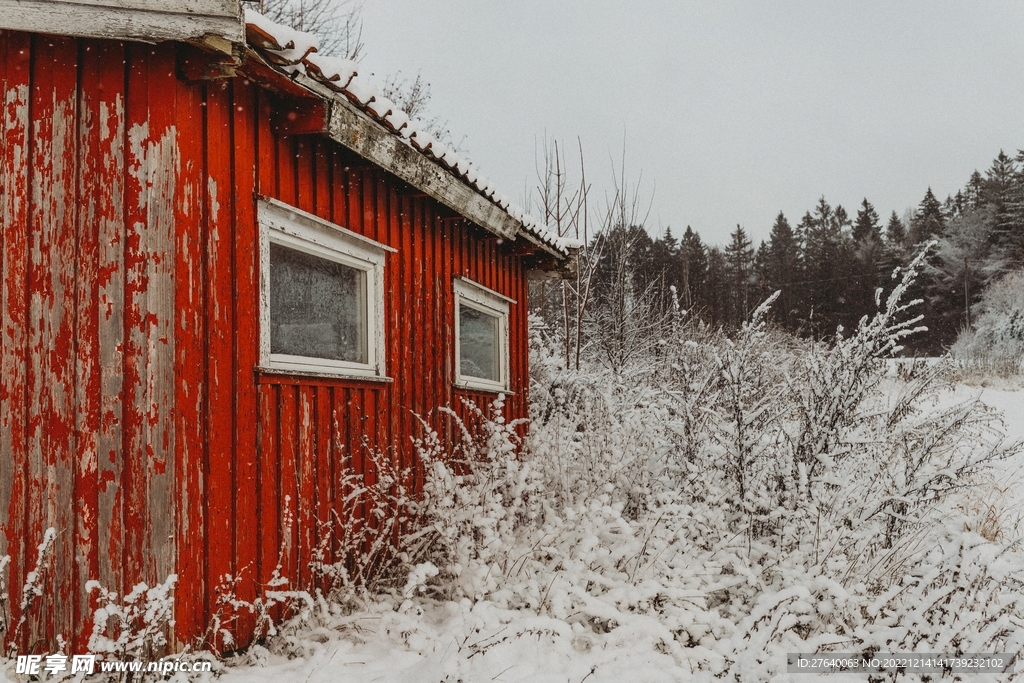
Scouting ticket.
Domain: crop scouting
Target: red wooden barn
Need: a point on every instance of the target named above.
(228, 269)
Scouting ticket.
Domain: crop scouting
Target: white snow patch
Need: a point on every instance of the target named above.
(295, 45)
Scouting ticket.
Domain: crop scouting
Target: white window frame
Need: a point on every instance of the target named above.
(293, 228)
(487, 301)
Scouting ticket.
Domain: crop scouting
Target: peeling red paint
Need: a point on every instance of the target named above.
(132, 414)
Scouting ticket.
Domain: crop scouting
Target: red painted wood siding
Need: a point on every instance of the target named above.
(132, 417)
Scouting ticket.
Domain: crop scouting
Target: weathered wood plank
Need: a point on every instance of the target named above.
(323, 451)
(418, 345)
(220, 280)
(322, 195)
(153, 163)
(353, 459)
(391, 228)
(132, 486)
(446, 313)
(305, 181)
(266, 174)
(305, 502)
(190, 366)
(90, 194)
(288, 480)
(268, 481)
(15, 50)
(52, 310)
(285, 168)
(159, 244)
(147, 20)
(246, 337)
(110, 191)
(197, 7)
(355, 130)
(437, 288)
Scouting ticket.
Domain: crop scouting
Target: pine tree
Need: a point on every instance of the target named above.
(823, 214)
(739, 258)
(782, 269)
(895, 234)
(998, 193)
(1015, 209)
(868, 256)
(894, 249)
(867, 223)
(842, 219)
(999, 180)
(964, 261)
(717, 290)
(759, 287)
(959, 205)
(664, 264)
(827, 257)
(928, 221)
(693, 265)
(974, 190)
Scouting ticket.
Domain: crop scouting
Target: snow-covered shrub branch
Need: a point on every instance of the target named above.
(833, 380)
(368, 543)
(33, 588)
(136, 626)
(729, 501)
(477, 498)
(276, 600)
(5, 614)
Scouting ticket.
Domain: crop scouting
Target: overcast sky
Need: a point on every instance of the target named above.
(732, 110)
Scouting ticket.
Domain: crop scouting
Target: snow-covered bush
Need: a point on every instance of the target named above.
(372, 515)
(730, 500)
(31, 591)
(136, 626)
(995, 346)
(733, 501)
(477, 500)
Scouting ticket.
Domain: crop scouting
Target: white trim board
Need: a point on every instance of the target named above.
(491, 303)
(143, 20)
(295, 229)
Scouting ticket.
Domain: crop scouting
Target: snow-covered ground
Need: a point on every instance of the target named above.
(428, 641)
(463, 642)
(1009, 401)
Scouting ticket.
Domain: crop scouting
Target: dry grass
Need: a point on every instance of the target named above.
(991, 511)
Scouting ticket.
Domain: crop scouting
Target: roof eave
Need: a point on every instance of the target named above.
(351, 127)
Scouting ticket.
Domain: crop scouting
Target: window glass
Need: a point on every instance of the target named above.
(478, 344)
(317, 307)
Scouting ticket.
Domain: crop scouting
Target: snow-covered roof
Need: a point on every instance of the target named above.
(294, 53)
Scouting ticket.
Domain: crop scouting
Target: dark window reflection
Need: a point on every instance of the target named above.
(317, 307)
(478, 344)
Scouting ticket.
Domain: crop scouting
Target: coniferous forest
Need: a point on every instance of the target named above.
(828, 263)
